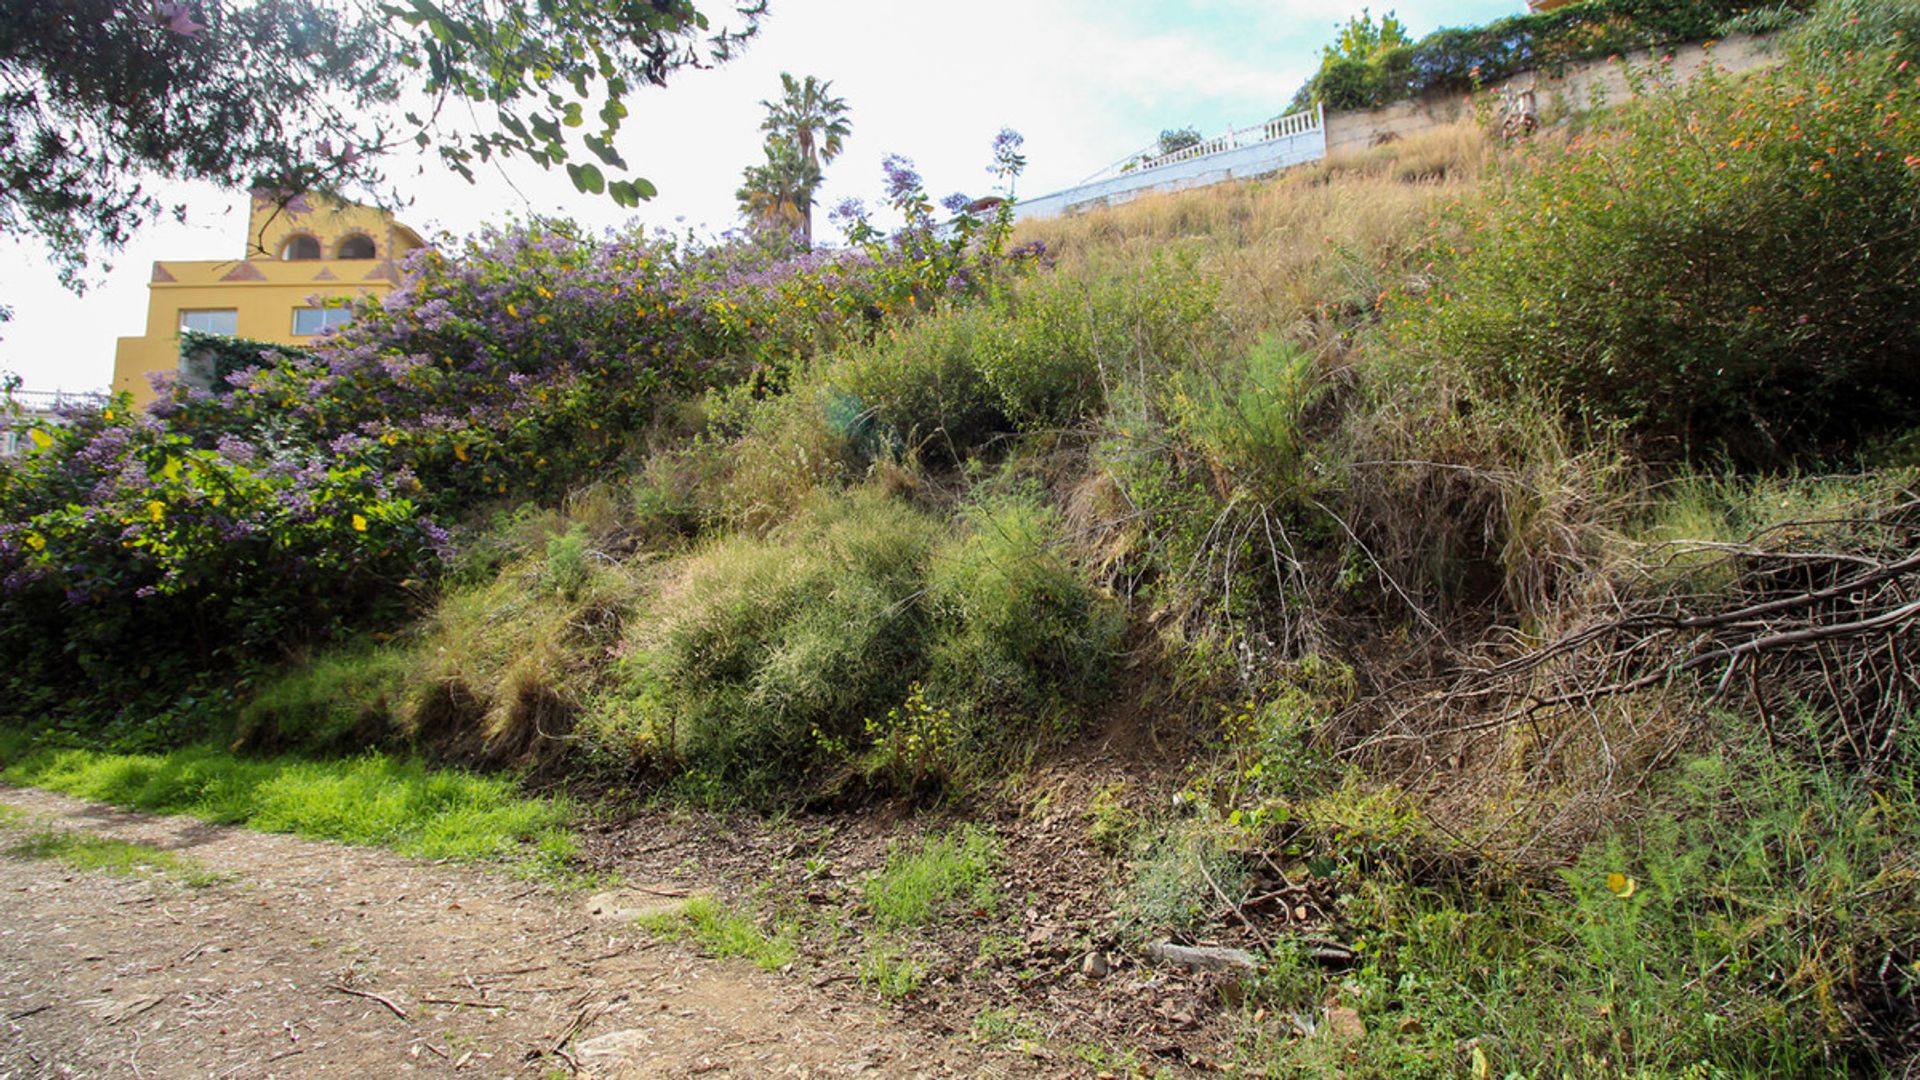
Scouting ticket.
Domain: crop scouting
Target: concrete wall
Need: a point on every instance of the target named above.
(1260, 159)
(1577, 87)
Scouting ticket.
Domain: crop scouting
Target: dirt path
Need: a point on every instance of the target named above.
(104, 976)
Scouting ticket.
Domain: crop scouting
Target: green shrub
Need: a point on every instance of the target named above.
(504, 667)
(1727, 269)
(567, 570)
(1247, 417)
(787, 658)
(348, 699)
(1021, 632)
(770, 644)
(1032, 359)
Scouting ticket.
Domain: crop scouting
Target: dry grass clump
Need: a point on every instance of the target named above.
(497, 671)
(1305, 253)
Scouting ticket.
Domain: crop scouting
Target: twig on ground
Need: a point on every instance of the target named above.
(395, 1009)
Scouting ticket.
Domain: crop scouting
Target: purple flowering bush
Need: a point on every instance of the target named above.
(129, 557)
(315, 489)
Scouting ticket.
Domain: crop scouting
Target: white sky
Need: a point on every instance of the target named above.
(1086, 81)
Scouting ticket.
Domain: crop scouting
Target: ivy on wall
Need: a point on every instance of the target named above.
(1457, 60)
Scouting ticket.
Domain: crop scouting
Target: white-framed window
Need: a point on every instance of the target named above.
(312, 320)
(211, 321)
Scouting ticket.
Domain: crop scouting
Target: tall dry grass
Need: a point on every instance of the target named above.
(1302, 254)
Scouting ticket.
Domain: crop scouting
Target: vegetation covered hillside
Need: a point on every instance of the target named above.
(1500, 559)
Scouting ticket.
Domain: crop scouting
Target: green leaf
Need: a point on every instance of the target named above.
(587, 177)
(604, 150)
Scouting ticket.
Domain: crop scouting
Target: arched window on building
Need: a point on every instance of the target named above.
(299, 247)
(356, 246)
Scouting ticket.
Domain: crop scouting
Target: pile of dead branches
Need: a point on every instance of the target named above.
(1812, 627)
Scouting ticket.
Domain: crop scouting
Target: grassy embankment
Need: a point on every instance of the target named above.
(1498, 532)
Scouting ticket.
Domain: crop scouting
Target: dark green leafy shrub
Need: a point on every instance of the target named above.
(1729, 268)
(131, 558)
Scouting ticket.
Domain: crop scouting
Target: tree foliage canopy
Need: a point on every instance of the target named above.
(101, 99)
(806, 128)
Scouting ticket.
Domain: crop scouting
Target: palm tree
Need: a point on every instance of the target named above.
(814, 122)
(780, 193)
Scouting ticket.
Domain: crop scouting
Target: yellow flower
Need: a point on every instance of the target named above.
(513, 311)
(1621, 885)
(40, 438)
(156, 510)
(391, 438)
(359, 523)
(36, 542)
(460, 451)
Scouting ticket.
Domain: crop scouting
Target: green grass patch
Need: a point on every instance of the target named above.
(726, 934)
(371, 799)
(1752, 921)
(887, 970)
(939, 874)
(86, 852)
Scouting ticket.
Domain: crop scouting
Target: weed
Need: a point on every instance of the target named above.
(1180, 876)
(726, 934)
(1004, 1027)
(923, 880)
(890, 972)
(346, 699)
(1111, 823)
(912, 746)
(85, 852)
(1248, 418)
(567, 569)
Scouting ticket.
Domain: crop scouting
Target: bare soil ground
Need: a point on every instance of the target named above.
(281, 971)
(1013, 979)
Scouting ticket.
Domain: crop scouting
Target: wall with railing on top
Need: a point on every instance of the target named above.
(1304, 137)
(20, 409)
(1240, 153)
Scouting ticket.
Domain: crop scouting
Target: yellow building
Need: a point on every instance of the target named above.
(297, 258)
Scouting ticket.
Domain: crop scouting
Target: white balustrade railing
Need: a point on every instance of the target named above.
(48, 401)
(1283, 127)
